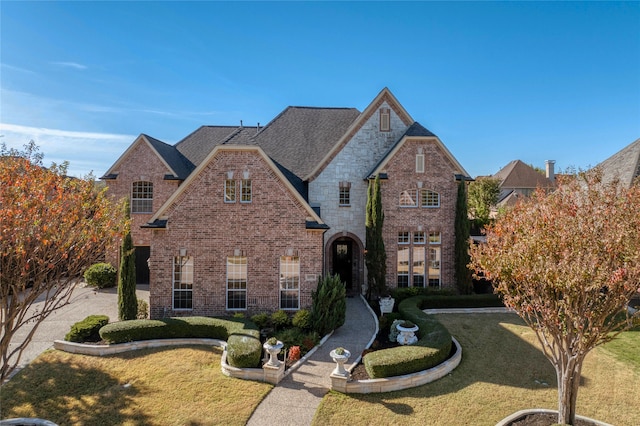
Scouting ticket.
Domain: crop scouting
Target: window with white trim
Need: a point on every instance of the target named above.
(142, 197)
(429, 198)
(403, 237)
(230, 191)
(403, 266)
(435, 256)
(417, 266)
(409, 198)
(236, 283)
(289, 282)
(385, 119)
(182, 282)
(344, 198)
(245, 191)
(419, 163)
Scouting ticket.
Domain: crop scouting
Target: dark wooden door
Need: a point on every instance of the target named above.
(343, 262)
(142, 267)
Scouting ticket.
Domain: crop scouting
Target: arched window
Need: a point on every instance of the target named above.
(142, 197)
(409, 198)
(429, 198)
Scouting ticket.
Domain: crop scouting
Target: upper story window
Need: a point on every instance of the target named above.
(419, 163)
(230, 191)
(345, 194)
(429, 198)
(419, 237)
(409, 198)
(385, 119)
(245, 191)
(403, 237)
(142, 197)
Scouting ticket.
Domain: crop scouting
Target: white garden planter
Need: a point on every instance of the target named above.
(273, 351)
(386, 305)
(407, 335)
(340, 359)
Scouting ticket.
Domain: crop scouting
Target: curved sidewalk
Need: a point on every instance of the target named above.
(295, 399)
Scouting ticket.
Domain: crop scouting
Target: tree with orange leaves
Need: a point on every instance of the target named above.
(52, 227)
(568, 263)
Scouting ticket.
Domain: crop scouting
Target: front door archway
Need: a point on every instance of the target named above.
(344, 257)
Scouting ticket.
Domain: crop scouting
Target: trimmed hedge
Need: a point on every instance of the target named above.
(433, 346)
(243, 339)
(462, 301)
(87, 330)
(101, 275)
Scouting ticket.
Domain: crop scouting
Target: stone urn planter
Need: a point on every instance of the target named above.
(386, 304)
(273, 348)
(407, 334)
(340, 356)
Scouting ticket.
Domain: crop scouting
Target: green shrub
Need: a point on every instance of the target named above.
(101, 275)
(143, 309)
(302, 319)
(262, 320)
(329, 306)
(280, 319)
(433, 346)
(87, 330)
(461, 301)
(244, 351)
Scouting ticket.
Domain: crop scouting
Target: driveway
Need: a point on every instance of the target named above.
(84, 301)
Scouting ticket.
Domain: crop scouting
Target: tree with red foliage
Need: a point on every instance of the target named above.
(568, 263)
(52, 227)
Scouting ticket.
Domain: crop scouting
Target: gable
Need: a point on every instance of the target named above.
(155, 148)
(623, 165)
(517, 174)
(384, 97)
(216, 159)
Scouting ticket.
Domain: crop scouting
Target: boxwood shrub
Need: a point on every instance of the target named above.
(101, 275)
(243, 339)
(432, 348)
(87, 330)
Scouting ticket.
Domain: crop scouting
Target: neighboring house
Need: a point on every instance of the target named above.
(518, 179)
(623, 165)
(247, 218)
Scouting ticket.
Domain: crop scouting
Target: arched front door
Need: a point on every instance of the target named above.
(344, 258)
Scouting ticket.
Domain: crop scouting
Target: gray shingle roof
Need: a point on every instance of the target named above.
(518, 175)
(201, 142)
(300, 137)
(180, 165)
(624, 165)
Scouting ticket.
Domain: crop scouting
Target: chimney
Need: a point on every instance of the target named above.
(550, 164)
(258, 128)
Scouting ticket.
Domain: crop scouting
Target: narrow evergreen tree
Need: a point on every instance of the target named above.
(462, 227)
(375, 257)
(127, 301)
(329, 305)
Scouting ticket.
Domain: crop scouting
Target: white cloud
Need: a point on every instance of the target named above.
(70, 65)
(85, 151)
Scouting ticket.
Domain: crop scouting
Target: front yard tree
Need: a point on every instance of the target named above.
(375, 255)
(127, 300)
(568, 263)
(52, 228)
(483, 196)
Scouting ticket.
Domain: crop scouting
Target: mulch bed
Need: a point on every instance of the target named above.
(545, 419)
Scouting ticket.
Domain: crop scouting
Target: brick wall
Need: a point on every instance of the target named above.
(439, 177)
(210, 230)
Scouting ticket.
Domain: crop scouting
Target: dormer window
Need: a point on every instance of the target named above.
(385, 119)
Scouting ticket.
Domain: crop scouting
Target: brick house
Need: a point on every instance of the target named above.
(247, 218)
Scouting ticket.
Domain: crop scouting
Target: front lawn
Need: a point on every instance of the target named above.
(168, 386)
(502, 371)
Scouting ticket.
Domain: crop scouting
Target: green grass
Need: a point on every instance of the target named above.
(626, 348)
(502, 371)
(177, 386)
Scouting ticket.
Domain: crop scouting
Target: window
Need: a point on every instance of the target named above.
(435, 253)
(230, 191)
(418, 266)
(245, 191)
(289, 282)
(429, 198)
(403, 266)
(420, 163)
(236, 282)
(345, 194)
(385, 119)
(419, 237)
(409, 198)
(182, 282)
(403, 237)
(142, 197)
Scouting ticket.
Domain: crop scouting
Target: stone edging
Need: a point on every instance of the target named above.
(102, 350)
(23, 421)
(395, 383)
(515, 416)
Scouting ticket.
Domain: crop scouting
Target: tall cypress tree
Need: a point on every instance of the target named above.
(376, 257)
(462, 227)
(127, 300)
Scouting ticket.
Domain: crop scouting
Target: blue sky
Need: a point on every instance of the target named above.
(496, 81)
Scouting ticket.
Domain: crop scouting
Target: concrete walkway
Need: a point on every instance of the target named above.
(295, 399)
